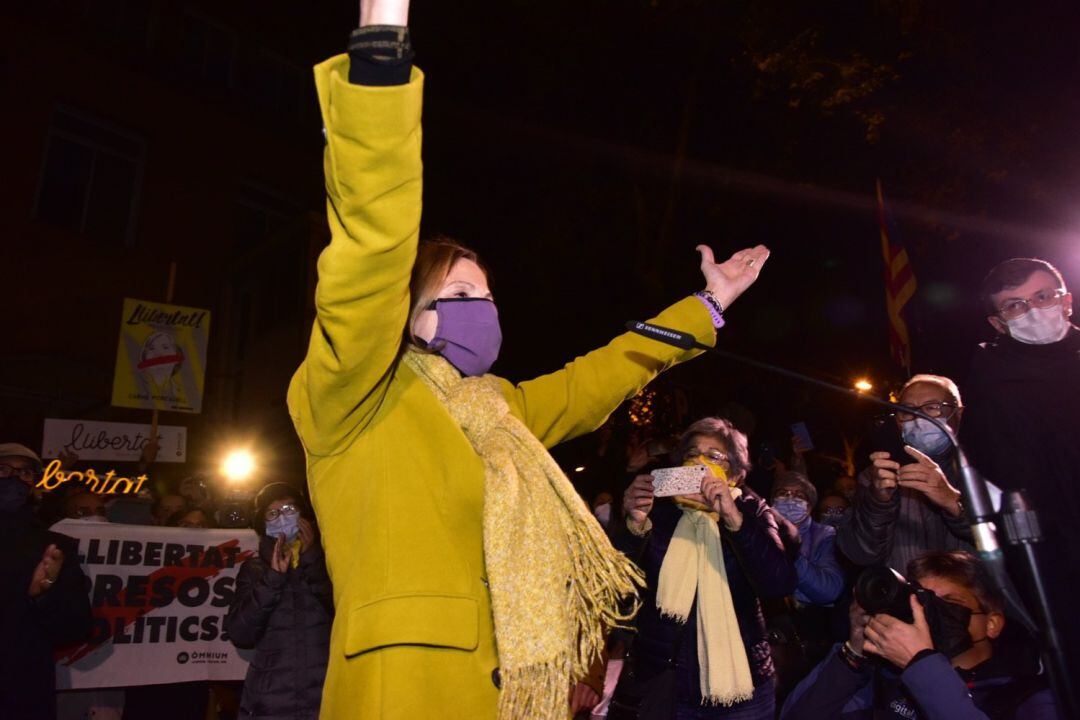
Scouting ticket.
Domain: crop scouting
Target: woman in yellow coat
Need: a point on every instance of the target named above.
(469, 580)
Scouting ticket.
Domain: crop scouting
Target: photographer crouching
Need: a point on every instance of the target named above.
(924, 648)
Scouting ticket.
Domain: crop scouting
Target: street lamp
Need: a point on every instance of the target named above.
(863, 385)
(238, 466)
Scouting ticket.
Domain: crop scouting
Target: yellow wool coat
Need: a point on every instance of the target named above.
(397, 488)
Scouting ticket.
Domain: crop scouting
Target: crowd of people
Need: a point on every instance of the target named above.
(470, 579)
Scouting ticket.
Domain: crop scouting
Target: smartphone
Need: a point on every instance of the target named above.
(802, 437)
(678, 480)
(886, 438)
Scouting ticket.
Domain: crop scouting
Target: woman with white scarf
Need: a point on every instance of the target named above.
(701, 651)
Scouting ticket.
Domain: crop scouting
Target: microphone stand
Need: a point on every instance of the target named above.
(977, 505)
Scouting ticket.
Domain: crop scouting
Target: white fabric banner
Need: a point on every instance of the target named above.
(118, 442)
(159, 598)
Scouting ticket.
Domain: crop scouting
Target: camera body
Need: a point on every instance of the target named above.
(881, 590)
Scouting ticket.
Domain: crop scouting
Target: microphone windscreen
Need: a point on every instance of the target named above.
(679, 339)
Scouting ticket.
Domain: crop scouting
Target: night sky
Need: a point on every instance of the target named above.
(553, 134)
(584, 148)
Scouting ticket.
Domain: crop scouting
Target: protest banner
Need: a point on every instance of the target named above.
(161, 357)
(118, 442)
(159, 597)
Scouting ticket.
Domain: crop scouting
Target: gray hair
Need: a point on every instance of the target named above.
(941, 381)
(791, 478)
(722, 430)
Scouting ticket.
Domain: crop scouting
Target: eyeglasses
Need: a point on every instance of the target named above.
(937, 409)
(25, 474)
(1016, 307)
(714, 456)
(790, 493)
(287, 510)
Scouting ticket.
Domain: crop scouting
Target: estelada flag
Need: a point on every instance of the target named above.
(900, 285)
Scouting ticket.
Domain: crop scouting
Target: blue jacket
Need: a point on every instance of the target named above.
(928, 688)
(757, 567)
(821, 579)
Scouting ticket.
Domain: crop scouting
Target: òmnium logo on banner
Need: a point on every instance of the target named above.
(158, 599)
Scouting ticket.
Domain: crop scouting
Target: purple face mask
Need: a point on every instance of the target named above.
(468, 333)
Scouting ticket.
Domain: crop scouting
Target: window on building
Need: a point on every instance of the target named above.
(258, 213)
(126, 22)
(207, 51)
(276, 86)
(90, 178)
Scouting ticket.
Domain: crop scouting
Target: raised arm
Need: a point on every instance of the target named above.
(578, 398)
(373, 168)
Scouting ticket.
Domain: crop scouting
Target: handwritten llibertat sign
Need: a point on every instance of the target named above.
(116, 442)
(158, 597)
(161, 358)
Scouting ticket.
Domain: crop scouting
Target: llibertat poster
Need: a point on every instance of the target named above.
(161, 358)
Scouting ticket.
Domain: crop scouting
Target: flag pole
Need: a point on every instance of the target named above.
(169, 289)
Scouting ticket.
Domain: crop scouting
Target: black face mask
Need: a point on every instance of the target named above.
(13, 494)
(948, 624)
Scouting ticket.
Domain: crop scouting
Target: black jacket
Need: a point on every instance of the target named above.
(1022, 424)
(32, 628)
(757, 567)
(286, 618)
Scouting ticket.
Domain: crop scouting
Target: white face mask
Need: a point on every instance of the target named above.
(1039, 326)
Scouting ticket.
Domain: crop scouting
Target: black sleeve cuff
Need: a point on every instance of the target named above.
(380, 55)
(920, 655)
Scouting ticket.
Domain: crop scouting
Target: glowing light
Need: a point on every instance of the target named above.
(579, 468)
(863, 385)
(238, 466)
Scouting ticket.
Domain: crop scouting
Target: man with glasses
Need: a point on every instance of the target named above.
(20, 462)
(1022, 429)
(907, 502)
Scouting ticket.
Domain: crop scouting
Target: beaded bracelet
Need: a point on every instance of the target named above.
(716, 310)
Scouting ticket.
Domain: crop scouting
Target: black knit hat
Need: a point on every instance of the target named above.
(277, 491)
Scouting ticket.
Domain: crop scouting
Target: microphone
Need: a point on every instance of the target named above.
(678, 338)
(976, 500)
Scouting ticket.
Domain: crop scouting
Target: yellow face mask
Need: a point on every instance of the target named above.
(716, 469)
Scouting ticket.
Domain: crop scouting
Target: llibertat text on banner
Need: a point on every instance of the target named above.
(161, 358)
(159, 597)
(113, 441)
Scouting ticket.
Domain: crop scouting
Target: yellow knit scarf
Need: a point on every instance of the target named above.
(694, 566)
(556, 582)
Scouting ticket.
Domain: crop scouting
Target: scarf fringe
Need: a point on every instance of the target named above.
(603, 579)
(728, 700)
(676, 616)
(537, 692)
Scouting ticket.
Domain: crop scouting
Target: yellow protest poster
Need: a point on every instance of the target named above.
(161, 359)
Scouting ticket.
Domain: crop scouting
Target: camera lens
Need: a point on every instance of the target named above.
(881, 589)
